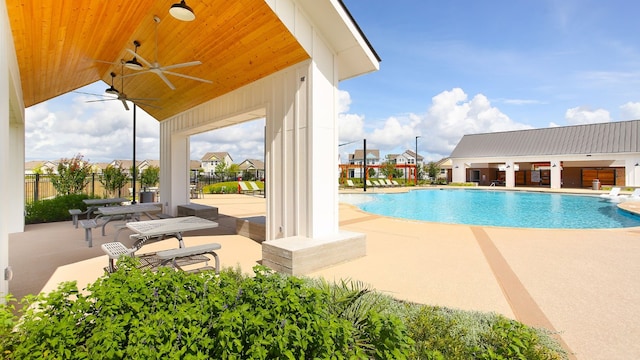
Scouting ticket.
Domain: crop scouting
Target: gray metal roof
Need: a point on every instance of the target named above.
(611, 137)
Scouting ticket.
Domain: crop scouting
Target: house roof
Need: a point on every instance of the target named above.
(611, 137)
(252, 163)
(359, 154)
(215, 155)
(67, 44)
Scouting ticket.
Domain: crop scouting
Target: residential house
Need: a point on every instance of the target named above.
(211, 160)
(357, 161)
(253, 168)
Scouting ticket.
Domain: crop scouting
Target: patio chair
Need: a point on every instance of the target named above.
(612, 195)
(350, 184)
(255, 188)
(635, 196)
(243, 188)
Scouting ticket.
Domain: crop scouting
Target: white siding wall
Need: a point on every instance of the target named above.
(11, 147)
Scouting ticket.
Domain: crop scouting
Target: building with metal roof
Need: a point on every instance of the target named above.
(569, 156)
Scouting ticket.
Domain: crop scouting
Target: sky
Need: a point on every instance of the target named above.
(449, 68)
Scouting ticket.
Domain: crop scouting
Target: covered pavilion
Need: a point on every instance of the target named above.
(280, 60)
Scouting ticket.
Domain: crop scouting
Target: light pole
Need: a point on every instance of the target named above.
(417, 160)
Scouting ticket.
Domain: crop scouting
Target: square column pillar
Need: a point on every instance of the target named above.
(510, 174)
(556, 174)
(174, 169)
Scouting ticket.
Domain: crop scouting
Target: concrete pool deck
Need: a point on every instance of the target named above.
(581, 283)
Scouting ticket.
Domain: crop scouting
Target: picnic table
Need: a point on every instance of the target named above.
(125, 212)
(172, 227)
(94, 204)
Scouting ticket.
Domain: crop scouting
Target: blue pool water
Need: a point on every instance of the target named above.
(497, 208)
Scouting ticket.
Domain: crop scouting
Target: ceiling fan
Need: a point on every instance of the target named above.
(160, 70)
(122, 96)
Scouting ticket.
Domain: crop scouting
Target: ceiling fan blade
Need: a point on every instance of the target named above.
(164, 78)
(86, 93)
(139, 57)
(135, 73)
(100, 100)
(175, 66)
(188, 77)
(124, 102)
(107, 62)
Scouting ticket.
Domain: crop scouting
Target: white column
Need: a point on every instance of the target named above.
(458, 172)
(556, 174)
(510, 174)
(302, 169)
(174, 169)
(632, 172)
(11, 147)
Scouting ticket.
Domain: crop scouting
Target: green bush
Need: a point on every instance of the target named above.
(171, 314)
(228, 187)
(441, 333)
(55, 209)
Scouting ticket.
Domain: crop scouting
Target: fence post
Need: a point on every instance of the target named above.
(93, 185)
(36, 185)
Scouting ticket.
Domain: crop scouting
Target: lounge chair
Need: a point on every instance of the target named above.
(635, 196)
(369, 183)
(350, 184)
(612, 195)
(244, 188)
(388, 182)
(395, 183)
(375, 183)
(255, 188)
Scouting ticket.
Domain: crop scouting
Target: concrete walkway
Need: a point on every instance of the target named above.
(581, 283)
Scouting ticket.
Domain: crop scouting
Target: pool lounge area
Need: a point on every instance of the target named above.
(581, 283)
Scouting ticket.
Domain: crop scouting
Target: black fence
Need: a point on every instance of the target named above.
(39, 187)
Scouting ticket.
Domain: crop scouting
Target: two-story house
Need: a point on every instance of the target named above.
(210, 161)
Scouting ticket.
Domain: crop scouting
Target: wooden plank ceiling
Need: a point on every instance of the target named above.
(58, 42)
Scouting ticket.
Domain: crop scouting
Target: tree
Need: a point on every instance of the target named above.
(150, 177)
(113, 179)
(72, 175)
(371, 172)
(388, 169)
(221, 170)
(233, 170)
(433, 170)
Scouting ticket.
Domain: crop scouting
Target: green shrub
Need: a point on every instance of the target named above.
(228, 187)
(55, 209)
(441, 333)
(171, 314)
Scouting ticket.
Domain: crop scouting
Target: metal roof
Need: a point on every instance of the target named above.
(611, 137)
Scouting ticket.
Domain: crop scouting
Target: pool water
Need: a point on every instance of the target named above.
(498, 208)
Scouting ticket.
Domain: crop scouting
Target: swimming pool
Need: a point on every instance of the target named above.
(497, 208)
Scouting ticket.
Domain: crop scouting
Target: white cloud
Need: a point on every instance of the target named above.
(630, 111)
(584, 115)
(449, 116)
(100, 131)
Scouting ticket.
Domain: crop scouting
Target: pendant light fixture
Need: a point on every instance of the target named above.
(134, 64)
(182, 11)
(111, 90)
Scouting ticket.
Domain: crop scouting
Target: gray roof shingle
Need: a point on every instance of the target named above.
(611, 137)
